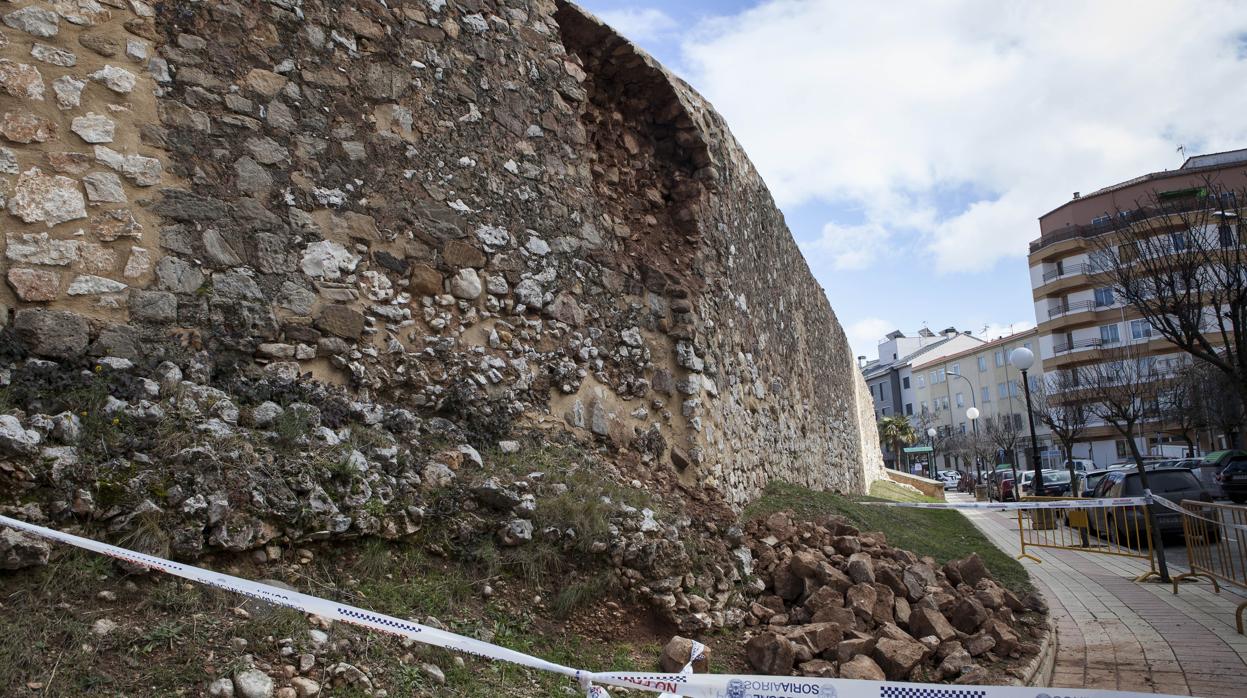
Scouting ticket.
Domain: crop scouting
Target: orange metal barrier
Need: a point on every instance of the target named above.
(1216, 546)
(1125, 531)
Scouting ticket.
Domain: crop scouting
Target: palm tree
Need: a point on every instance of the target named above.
(895, 432)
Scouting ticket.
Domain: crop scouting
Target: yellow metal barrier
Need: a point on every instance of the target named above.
(1125, 531)
(1216, 546)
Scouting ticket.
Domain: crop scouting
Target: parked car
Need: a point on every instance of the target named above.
(1056, 483)
(950, 478)
(1211, 465)
(1233, 480)
(1005, 490)
(1174, 484)
(1081, 465)
(1088, 481)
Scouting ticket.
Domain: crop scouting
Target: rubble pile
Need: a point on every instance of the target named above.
(839, 602)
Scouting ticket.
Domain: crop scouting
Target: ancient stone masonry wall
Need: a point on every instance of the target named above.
(484, 209)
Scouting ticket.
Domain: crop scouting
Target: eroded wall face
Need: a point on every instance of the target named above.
(483, 208)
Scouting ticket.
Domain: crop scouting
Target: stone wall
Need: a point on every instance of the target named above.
(483, 209)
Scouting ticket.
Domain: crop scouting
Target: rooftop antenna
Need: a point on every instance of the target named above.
(1182, 151)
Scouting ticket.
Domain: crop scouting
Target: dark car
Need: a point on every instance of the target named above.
(1233, 480)
(1174, 484)
(1056, 483)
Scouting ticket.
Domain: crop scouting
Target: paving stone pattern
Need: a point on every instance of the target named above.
(1114, 633)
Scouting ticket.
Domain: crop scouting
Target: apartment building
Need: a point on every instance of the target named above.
(1080, 320)
(980, 376)
(890, 377)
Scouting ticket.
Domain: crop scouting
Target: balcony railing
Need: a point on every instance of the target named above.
(1094, 343)
(1075, 307)
(1067, 270)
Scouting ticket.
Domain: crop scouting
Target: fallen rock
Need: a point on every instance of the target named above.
(677, 653)
(899, 657)
(253, 683)
(771, 654)
(19, 550)
(862, 668)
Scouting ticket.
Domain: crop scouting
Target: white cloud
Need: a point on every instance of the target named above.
(639, 24)
(864, 335)
(886, 108)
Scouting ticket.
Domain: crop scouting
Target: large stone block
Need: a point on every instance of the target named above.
(56, 334)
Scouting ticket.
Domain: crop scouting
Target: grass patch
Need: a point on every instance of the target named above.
(944, 535)
(886, 489)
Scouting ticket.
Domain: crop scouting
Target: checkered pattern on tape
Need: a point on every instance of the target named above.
(383, 621)
(925, 692)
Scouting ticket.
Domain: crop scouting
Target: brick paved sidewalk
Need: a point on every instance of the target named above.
(1114, 633)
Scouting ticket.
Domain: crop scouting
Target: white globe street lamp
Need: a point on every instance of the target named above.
(1022, 359)
(972, 414)
(931, 432)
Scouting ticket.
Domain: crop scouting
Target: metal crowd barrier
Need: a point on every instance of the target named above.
(1125, 531)
(1216, 547)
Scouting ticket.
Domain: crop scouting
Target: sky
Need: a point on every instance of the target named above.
(913, 146)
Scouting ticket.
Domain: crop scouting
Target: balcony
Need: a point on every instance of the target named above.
(1075, 307)
(1068, 270)
(1122, 220)
(1093, 343)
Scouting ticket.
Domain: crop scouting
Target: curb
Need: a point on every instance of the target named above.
(1039, 671)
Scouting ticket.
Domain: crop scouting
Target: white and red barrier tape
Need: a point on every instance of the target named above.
(684, 683)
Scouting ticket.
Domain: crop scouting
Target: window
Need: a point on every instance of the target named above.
(924, 407)
(1104, 297)
(909, 408)
(922, 382)
(987, 394)
(1101, 221)
(1002, 390)
(1140, 329)
(955, 369)
(1109, 334)
(1034, 383)
(961, 400)
(1013, 389)
(905, 382)
(1100, 260)
(1123, 449)
(1226, 234)
(1000, 358)
(982, 364)
(945, 402)
(1179, 240)
(1027, 345)
(1017, 422)
(1128, 252)
(963, 427)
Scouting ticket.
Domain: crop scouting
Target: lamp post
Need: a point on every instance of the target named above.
(972, 414)
(931, 435)
(1022, 359)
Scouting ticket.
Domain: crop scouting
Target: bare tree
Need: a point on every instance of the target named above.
(1180, 260)
(1182, 404)
(1057, 407)
(1125, 391)
(1005, 434)
(1218, 403)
